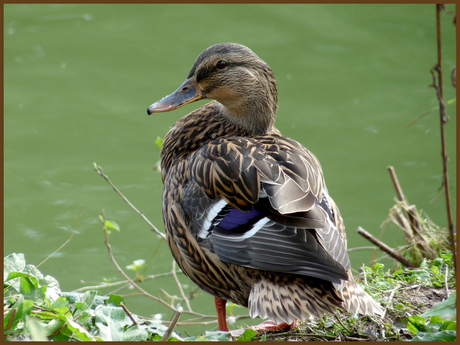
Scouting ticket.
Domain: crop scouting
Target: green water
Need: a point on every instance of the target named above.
(79, 78)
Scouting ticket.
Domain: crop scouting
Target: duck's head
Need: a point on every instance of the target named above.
(242, 83)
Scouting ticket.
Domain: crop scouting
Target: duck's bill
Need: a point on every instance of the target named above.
(187, 93)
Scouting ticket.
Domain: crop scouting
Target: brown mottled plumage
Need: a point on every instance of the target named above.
(247, 213)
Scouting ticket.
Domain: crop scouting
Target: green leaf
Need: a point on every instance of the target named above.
(446, 335)
(376, 267)
(112, 225)
(60, 302)
(416, 324)
(219, 336)
(110, 322)
(248, 335)
(136, 333)
(447, 308)
(28, 306)
(36, 330)
(78, 330)
(53, 326)
(449, 325)
(159, 142)
(19, 308)
(13, 263)
(28, 285)
(114, 299)
(89, 297)
(53, 291)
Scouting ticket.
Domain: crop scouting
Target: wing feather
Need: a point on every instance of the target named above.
(283, 181)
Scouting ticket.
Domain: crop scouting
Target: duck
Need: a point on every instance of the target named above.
(247, 214)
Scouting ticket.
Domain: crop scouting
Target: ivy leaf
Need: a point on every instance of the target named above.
(248, 335)
(114, 299)
(110, 321)
(19, 307)
(416, 324)
(218, 336)
(447, 308)
(446, 335)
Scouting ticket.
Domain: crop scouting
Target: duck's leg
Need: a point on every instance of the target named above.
(221, 313)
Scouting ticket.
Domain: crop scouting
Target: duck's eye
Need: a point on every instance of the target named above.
(221, 64)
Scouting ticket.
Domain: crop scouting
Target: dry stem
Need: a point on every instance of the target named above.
(385, 248)
(443, 120)
(100, 172)
(109, 248)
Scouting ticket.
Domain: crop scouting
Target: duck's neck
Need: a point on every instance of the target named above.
(256, 118)
(255, 110)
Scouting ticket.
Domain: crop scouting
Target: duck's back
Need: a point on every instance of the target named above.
(247, 212)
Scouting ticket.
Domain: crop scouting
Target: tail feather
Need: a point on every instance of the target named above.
(356, 300)
(300, 298)
(290, 300)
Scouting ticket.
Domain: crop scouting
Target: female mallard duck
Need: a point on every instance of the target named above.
(247, 214)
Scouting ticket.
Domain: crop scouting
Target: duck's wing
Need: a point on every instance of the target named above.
(262, 203)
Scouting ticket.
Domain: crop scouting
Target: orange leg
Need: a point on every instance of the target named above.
(221, 314)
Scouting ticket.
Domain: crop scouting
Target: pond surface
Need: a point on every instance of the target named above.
(79, 78)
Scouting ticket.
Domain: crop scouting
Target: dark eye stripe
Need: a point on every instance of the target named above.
(205, 72)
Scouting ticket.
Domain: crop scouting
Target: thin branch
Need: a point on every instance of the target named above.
(71, 235)
(445, 281)
(411, 215)
(36, 267)
(385, 248)
(121, 282)
(109, 248)
(180, 286)
(128, 313)
(443, 119)
(364, 275)
(390, 299)
(396, 184)
(360, 248)
(100, 172)
(171, 326)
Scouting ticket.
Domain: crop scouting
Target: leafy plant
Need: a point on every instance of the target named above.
(36, 309)
(437, 324)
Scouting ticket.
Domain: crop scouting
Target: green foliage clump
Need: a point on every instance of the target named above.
(36, 309)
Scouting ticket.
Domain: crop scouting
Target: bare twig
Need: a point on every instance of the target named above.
(121, 282)
(390, 299)
(36, 267)
(445, 281)
(443, 119)
(360, 248)
(128, 313)
(364, 275)
(180, 286)
(396, 184)
(171, 326)
(109, 247)
(100, 172)
(71, 235)
(410, 213)
(10, 321)
(385, 248)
